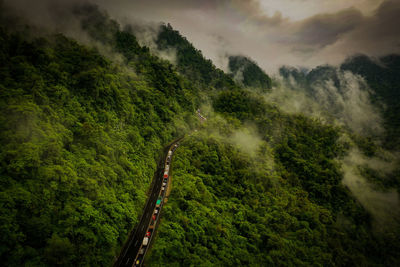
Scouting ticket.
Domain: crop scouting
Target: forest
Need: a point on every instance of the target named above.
(80, 137)
(83, 125)
(283, 205)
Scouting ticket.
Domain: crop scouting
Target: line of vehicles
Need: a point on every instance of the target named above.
(157, 210)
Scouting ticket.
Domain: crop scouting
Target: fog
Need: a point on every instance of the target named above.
(346, 103)
(273, 33)
(344, 99)
(384, 205)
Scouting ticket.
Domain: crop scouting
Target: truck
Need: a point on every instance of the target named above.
(145, 241)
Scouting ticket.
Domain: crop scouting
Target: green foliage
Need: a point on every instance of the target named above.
(309, 151)
(240, 104)
(248, 73)
(191, 62)
(80, 138)
(229, 208)
(384, 80)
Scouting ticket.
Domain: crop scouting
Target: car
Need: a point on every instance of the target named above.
(165, 180)
(154, 217)
(164, 183)
(165, 174)
(156, 211)
(141, 251)
(158, 203)
(148, 234)
(137, 262)
(145, 241)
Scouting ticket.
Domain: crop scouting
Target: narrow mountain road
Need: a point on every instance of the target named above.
(134, 250)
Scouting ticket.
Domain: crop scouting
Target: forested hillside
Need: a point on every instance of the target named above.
(383, 77)
(191, 62)
(382, 87)
(281, 204)
(82, 126)
(248, 73)
(80, 136)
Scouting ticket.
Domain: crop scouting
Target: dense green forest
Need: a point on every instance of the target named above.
(284, 205)
(370, 85)
(81, 134)
(248, 73)
(384, 78)
(191, 62)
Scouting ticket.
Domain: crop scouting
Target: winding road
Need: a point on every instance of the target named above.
(134, 250)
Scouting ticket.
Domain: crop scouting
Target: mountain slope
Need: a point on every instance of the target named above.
(191, 62)
(248, 73)
(383, 77)
(80, 137)
(281, 202)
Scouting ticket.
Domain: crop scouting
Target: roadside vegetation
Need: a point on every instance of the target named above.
(82, 126)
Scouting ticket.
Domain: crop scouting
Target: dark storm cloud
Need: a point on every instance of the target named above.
(247, 27)
(383, 26)
(259, 29)
(322, 30)
(328, 29)
(375, 35)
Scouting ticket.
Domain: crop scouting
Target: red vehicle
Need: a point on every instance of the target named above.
(154, 217)
(148, 234)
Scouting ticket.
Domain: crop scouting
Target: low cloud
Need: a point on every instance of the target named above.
(322, 30)
(147, 34)
(383, 205)
(246, 140)
(243, 136)
(264, 32)
(294, 32)
(341, 98)
(350, 103)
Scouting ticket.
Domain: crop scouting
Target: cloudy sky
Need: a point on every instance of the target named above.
(272, 32)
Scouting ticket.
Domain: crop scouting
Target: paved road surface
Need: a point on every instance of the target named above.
(132, 246)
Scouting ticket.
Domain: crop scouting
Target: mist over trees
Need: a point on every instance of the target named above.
(248, 73)
(82, 126)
